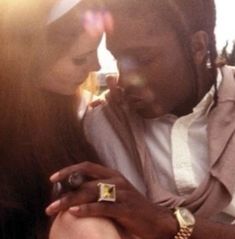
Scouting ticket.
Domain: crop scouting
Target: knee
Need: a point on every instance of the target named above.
(67, 226)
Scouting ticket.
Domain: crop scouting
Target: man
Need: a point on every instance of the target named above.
(167, 126)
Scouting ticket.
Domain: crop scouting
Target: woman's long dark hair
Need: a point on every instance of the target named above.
(39, 131)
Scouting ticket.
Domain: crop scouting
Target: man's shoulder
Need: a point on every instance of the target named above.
(95, 118)
(227, 88)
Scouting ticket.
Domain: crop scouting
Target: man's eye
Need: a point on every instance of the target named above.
(79, 60)
(136, 60)
(142, 60)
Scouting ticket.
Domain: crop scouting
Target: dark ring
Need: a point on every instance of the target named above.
(71, 183)
(75, 180)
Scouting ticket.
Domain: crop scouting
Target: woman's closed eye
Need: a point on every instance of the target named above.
(79, 61)
(83, 58)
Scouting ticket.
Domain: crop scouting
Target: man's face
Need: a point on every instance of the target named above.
(154, 73)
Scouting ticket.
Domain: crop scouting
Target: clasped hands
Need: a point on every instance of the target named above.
(131, 210)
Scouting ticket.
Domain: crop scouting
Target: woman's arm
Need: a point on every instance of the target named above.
(69, 226)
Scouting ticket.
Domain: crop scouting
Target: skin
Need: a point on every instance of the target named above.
(146, 67)
(164, 84)
(65, 226)
(71, 51)
(70, 70)
(131, 210)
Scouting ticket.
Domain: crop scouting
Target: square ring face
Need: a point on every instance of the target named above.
(107, 192)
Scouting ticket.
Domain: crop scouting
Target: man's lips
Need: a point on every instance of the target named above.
(133, 100)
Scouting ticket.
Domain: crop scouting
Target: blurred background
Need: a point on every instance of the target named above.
(225, 29)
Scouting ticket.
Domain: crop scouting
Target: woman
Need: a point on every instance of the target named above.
(47, 50)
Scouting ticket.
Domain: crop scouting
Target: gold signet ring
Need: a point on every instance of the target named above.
(107, 192)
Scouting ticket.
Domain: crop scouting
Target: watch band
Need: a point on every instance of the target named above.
(186, 221)
(184, 233)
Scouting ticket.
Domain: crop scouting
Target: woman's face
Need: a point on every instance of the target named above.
(71, 50)
(70, 68)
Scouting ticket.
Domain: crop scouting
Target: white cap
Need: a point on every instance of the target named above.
(60, 8)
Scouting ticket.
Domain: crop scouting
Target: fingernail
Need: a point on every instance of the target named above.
(52, 208)
(74, 210)
(54, 177)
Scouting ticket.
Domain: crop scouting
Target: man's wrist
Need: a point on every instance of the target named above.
(175, 224)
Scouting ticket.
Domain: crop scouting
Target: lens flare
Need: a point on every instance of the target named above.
(96, 22)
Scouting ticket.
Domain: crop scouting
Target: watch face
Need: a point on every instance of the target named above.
(187, 216)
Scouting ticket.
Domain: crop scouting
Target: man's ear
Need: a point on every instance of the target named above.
(199, 43)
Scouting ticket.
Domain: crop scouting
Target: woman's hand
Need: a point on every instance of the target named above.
(131, 209)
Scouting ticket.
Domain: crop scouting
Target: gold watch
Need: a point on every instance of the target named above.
(186, 222)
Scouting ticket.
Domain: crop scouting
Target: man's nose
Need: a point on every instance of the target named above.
(130, 78)
(128, 73)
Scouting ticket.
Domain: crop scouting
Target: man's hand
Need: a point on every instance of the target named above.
(131, 209)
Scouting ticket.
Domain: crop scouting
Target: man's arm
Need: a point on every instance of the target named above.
(211, 230)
